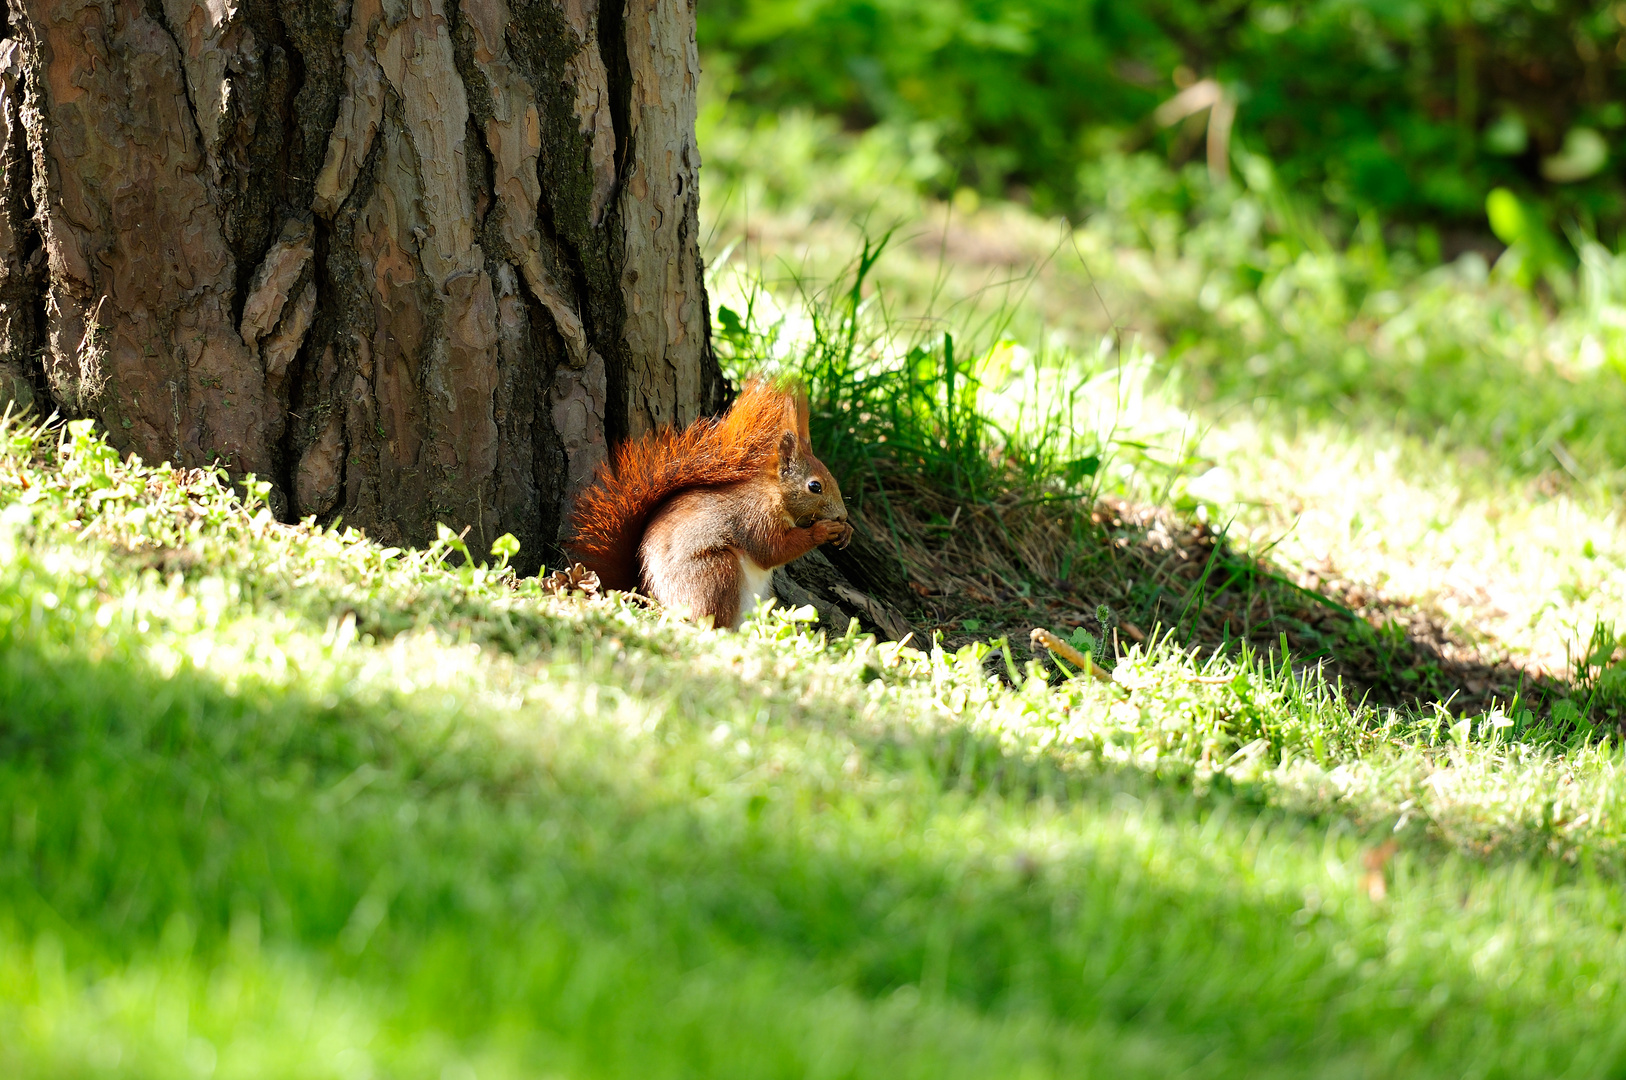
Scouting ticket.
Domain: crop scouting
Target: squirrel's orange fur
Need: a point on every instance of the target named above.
(611, 517)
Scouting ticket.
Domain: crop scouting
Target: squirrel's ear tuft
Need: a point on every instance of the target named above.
(802, 416)
(791, 410)
(787, 451)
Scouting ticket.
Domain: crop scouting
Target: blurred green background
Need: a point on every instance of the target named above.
(1414, 110)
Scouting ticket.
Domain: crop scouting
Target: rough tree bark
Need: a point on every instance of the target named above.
(413, 261)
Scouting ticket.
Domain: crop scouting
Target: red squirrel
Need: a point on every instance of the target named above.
(699, 519)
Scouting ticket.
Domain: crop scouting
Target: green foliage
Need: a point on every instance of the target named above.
(1532, 253)
(1414, 109)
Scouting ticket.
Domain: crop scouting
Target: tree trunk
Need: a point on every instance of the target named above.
(412, 261)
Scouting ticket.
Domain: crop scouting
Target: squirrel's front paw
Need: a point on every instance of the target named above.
(839, 533)
(826, 531)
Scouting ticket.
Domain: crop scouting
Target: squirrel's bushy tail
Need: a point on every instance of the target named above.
(608, 521)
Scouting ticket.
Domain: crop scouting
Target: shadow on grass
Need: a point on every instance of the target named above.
(384, 835)
(1163, 573)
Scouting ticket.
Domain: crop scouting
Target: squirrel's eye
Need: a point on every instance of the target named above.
(814, 486)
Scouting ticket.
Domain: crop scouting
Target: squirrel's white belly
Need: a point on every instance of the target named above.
(756, 585)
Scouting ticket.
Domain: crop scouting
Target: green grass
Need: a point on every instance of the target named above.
(1015, 483)
(1244, 307)
(1435, 450)
(279, 801)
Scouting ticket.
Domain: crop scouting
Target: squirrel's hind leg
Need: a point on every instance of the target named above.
(702, 584)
